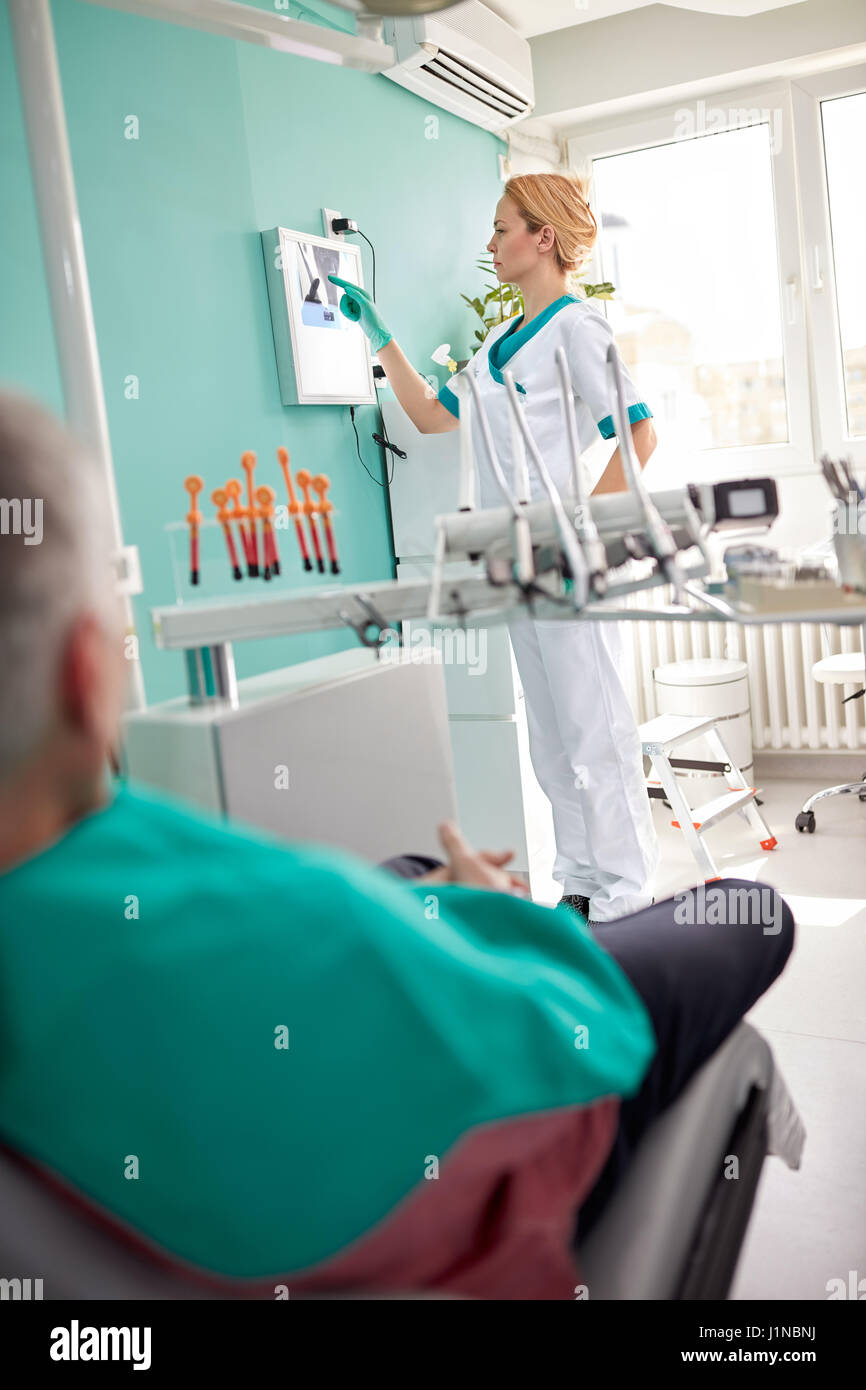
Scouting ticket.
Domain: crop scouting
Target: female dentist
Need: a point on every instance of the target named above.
(584, 743)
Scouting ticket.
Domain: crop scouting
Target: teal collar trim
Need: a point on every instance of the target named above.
(519, 334)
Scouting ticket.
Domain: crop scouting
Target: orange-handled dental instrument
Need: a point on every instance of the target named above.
(193, 485)
(265, 496)
(219, 497)
(308, 507)
(233, 490)
(294, 507)
(321, 483)
(248, 464)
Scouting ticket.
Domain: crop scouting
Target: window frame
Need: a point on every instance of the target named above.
(819, 275)
(658, 126)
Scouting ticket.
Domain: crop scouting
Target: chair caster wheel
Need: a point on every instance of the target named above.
(806, 821)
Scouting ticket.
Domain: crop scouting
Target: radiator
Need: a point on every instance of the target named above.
(789, 708)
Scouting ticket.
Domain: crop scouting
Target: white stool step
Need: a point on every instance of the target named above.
(713, 811)
(664, 732)
(842, 669)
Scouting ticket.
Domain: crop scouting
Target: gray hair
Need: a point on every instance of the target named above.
(55, 564)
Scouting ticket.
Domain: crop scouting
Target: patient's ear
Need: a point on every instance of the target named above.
(91, 683)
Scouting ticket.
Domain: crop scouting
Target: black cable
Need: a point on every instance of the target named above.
(382, 429)
(373, 250)
(390, 479)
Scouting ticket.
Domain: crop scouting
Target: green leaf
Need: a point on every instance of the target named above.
(603, 291)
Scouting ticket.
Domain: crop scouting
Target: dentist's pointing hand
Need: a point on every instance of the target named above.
(357, 305)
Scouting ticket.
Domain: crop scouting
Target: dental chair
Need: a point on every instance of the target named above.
(676, 1224)
(672, 1231)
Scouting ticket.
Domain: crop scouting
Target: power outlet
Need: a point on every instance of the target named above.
(328, 215)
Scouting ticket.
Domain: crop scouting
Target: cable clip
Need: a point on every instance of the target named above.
(374, 619)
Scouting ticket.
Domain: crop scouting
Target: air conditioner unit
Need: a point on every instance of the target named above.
(466, 60)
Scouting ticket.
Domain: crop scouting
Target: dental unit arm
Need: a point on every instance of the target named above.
(653, 526)
(584, 525)
(524, 566)
(571, 546)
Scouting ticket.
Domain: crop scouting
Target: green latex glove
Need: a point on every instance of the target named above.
(357, 305)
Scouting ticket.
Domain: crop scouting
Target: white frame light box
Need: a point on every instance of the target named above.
(323, 358)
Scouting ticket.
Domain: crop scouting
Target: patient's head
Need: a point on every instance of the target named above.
(62, 670)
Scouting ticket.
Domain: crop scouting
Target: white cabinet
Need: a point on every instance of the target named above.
(342, 750)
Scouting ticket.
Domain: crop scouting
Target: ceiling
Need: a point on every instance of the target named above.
(530, 17)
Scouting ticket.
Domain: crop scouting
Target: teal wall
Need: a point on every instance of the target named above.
(233, 139)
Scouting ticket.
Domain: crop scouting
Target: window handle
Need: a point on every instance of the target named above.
(817, 272)
(791, 298)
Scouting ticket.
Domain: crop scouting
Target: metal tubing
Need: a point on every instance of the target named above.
(225, 677)
(524, 564)
(210, 674)
(572, 548)
(277, 31)
(466, 488)
(489, 449)
(65, 264)
(567, 397)
(586, 528)
(658, 533)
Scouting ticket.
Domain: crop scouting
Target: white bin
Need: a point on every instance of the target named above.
(707, 686)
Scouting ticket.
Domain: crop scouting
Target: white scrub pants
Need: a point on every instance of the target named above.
(581, 730)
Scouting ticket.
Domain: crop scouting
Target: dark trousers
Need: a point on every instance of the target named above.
(696, 977)
(697, 981)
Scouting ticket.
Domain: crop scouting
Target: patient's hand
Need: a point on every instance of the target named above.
(474, 868)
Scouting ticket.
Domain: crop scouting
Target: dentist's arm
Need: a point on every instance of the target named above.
(427, 414)
(613, 477)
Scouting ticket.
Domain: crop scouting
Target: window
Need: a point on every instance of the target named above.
(843, 122)
(733, 230)
(688, 239)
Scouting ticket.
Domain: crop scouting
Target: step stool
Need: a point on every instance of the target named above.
(659, 737)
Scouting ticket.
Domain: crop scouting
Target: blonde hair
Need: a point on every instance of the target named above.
(558, 201)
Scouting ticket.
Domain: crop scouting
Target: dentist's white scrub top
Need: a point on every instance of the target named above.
(528, 352)
(584, 743)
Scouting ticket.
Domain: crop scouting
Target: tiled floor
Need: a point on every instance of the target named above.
(807, 1226)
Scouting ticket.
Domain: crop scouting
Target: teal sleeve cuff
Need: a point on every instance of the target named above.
(635, 413)
(450, 401)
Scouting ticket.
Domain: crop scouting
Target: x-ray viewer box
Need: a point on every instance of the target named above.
(323, 358)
